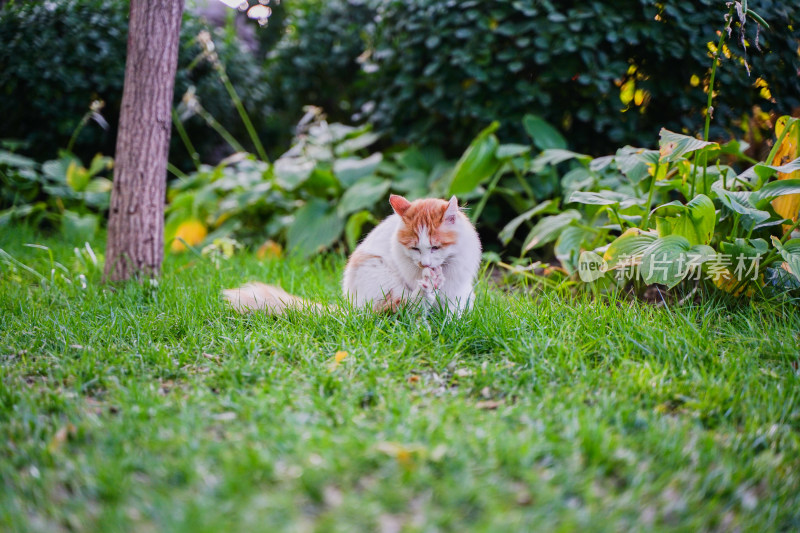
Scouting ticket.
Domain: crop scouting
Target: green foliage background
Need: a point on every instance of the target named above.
(445, 68)
(56, 57)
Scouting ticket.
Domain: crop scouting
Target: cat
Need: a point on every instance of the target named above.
(426, 254)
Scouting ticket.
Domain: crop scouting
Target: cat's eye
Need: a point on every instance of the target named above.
(415, 248)
(434, 248)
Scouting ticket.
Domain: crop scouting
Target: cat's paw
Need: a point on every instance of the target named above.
(432, 279)
(436, 277)
(426, 281)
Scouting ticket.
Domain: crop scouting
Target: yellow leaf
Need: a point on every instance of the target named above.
(77, 176)
(728, 282)
(694, 80)
(192, 231)
(403, 453)
(787, 206)
(626, 92)
(270, 249)
(337, 359)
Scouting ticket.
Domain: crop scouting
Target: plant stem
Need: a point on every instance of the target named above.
(523, 183)
(650, 198)
(619, 220)
(219, 128)
(237, 102)
(185, 138)
(777, 145)
(721, 43)
(175, 171)
(485, 197)
(77, 131)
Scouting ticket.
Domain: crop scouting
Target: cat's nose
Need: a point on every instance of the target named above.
(423, 265)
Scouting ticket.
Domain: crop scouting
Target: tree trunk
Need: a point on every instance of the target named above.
(136, 217)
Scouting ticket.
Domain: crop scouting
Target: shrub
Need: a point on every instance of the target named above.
(606, 73)
(57, 57)
(316, 62)
(58, 194)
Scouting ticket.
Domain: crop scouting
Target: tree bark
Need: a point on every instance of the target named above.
(135, 245)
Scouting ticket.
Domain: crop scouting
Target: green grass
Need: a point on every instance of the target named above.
(154, 408)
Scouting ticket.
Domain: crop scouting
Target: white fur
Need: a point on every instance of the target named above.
(380, 266)
(443, 277)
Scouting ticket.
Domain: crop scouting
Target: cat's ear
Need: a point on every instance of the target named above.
(451, 211)
(399, 204)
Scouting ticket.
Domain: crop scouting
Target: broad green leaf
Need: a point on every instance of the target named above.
(79, 228)
(77, 177)
(507, 233)
(99, 185)
(635, 163)
(695, 222)
(507, 151)
(56, 169)
(365, 193)
(350, 170)
(750, 216)
(569, 244)
(477, 164)
(544, 135)
(356, 143)
(316, 226)
(762, 197)
(591, 267)
(100, 163)
(630, 245)
(353, 228)
(555, 156)
(762, 172)
(410, 180)
(673, 146)
(14, 160)
(549, 228)
(424, 158)
(791, 254)
(577, 179)
(666, 260)
(604, 197)
(291, 172)
(744, 247)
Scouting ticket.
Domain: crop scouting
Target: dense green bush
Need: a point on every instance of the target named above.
(57, 57)
(446, 68)
(316, 61)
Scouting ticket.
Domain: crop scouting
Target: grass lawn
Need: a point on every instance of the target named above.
(154, 408)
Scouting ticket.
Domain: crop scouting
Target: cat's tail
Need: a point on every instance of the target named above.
(255, 296)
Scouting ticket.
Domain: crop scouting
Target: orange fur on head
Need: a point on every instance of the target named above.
(427, 213)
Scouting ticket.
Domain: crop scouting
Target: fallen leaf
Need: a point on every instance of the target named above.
(337, 359)
(60, 437)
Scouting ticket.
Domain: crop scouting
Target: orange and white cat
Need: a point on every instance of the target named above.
(427, 253)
